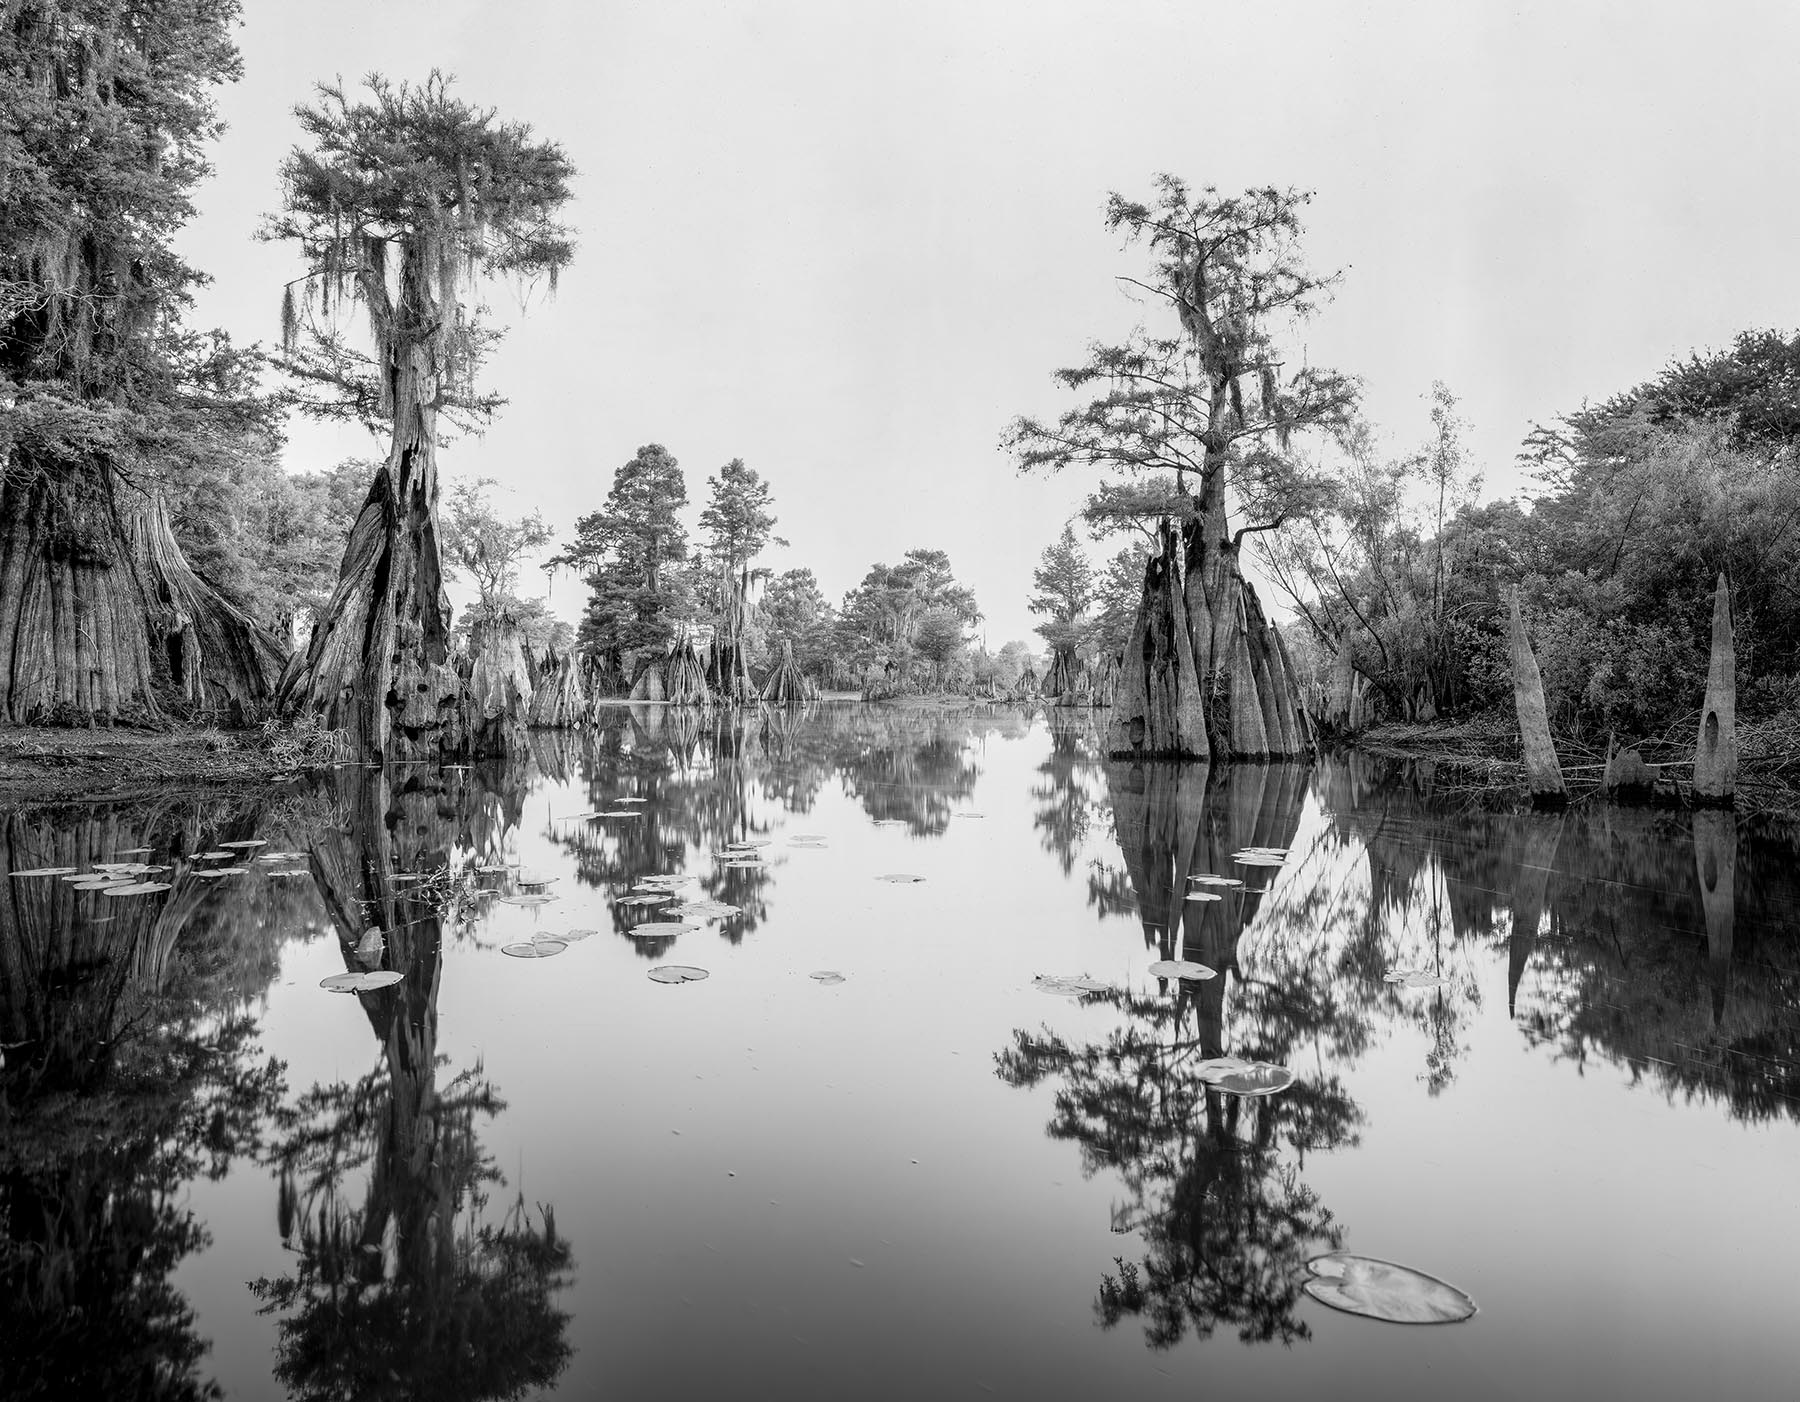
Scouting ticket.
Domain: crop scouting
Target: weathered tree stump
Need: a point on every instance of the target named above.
(1543, 774)
(1627, 778)
(1715, 752)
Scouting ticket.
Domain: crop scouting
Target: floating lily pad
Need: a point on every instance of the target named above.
(527, 900)
(214, 856)
(298, 871)
(706, 910)
(807, 837)
(214, 873)
(632, 798)
(1247, 1078)
(1181, 968)
(661, 929)
(133, 851)
(492, 869)
(246, 842)
(362, 983)
(900, 878)
(826, 976)
(647, 898)
(534, 880)
(1382, 1290)
(99, 883)
(1258, 859)
(1204, 896)
(281, 856)
(573, 935)
(49, 871)
(136, 888)
(1414, 978)
(968, 815)
(1064, 986)
(749, 844)
(677, 973)
(534, 949)
(621, 813)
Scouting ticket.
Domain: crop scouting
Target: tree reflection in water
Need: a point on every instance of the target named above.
(715, 777)
(130, 1069)
(1212, 1181)
(404, 1285)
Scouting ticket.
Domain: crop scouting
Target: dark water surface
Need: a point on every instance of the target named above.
(507, 1177)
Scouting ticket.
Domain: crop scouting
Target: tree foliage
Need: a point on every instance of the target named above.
(1064, 581)
(628, 553)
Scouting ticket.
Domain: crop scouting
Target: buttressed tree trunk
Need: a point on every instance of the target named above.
(1205, 676)
(560, 702)
(1715, 752)
(1543, 774)
(378, 663)
(101, 616)
(1157, 712)
(499, 694)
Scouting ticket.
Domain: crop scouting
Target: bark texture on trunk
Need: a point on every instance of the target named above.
(1543, 774)
(498, 695)
(1715, 751)
(1158, 711)
(1204, 676)
(560, 702)
(787, 685)
(378, 663)
(102, 616)
(685, 681)
(1064, 673)
(649, 685)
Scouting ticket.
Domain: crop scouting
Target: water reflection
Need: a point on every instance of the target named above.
(401, 1284)
(1212, 1182)
(131, 1068)
(1621, 934)
(702, 780)
(1653, 940)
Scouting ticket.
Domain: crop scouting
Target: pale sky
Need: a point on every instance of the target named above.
(848, 242)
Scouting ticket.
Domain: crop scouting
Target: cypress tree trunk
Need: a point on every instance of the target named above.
(497, 700)
(1542, 771)
(102, 617)
(1225, 689)
(1715, 751)
(560, 703)
(378, 663)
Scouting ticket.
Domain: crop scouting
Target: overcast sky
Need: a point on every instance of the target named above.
(849, 241)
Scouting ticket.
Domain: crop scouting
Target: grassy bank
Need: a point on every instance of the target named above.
(41, 764)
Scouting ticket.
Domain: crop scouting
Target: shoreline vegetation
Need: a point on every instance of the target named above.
(1478, 757)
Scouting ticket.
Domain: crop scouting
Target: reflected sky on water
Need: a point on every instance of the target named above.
(506, 1177)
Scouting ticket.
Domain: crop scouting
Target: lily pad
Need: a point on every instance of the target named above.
(1064, 986)
(677, 973)
(214, 856)
(900, 878)
(807, 837)
(748, 844)
(281, 856)
(661, 929)
(705, 910)
(133, 851)
(1414, 978)
(621, 813)
(362, 983)
(646, 898)
(528, 900)
(137, 888)
(1258, 859)
(214, 873)
(535, 880)
(534, 949)
(49, 871)
(492, 869)
(1382, 1290)
(1251, 1078)
(1181, 968)
(1204, 896)
(246, 842)
(826, 976)
(573, 935)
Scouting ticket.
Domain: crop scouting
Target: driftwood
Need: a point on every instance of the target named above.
(1543, 774)
(1715, 751)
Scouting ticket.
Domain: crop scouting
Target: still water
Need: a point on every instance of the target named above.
(506, 1176)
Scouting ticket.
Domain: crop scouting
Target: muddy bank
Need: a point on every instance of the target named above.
(40, 764)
